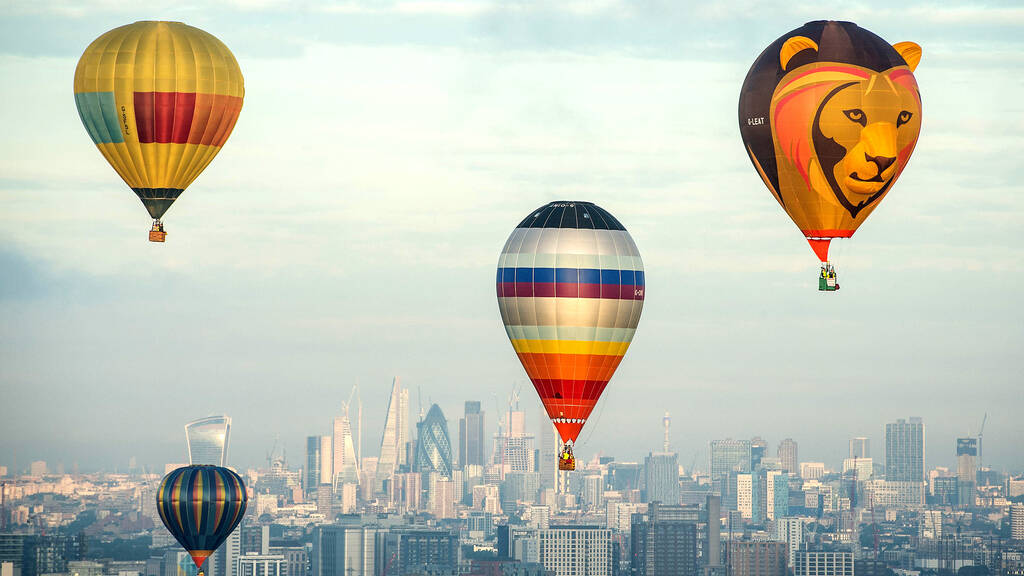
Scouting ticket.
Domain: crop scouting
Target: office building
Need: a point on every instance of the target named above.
(313, 472)
(661, 477)
(859, 468)
(1017, 521)
(860, 447)
(663, 543)
(575, 550)
(726, 458)
(758, 450)
(345, 550)
(296, 559)
(746, 496)
(471, 435)
(433, 444)
(966, 470)
(261, 565)
(904, 451)
(410, 550)
(823, 563)
(345, 459)
(788, 456)
(392, 442)
(776, 494)
(756, 558)
(35, 555)
(224, 561)
(207, 440)
(791, 531)
(812, 470)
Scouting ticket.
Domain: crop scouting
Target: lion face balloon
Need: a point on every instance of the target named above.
(830, 114)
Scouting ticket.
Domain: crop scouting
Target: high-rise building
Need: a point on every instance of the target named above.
(758, 450)
(661, 475)
(572, 550)
(224, 561)
(966, 470)
(345, 460)
(860, 447)
(471, 435)
(904, 450)
(756, 558)
(746, 496)
(787, 454)
(392, 441)
(207, 440)
(345, 550)
(417, 550)
(1017, 521)
(662, 543)
(790, 531)
(314, 465)
(862, 468)
(776, 491)
(727, 456)
(822, 563)
(433, 444)
(812, 470)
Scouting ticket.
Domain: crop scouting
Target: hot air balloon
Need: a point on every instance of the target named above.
(829, 114)
(570, 292)
(200, 506)
(159, 99)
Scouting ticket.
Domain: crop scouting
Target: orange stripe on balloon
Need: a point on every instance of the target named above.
(569, 366)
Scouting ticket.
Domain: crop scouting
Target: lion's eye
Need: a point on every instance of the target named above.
(856, 115)
(904, 117)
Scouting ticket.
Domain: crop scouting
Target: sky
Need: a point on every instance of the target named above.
(349, 231)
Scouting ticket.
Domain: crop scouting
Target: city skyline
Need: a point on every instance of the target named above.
(699, 455)
(350, 229)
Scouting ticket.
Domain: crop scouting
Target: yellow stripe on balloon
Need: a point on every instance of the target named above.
(570, 347)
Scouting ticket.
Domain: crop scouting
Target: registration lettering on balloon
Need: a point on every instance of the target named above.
(844, 112)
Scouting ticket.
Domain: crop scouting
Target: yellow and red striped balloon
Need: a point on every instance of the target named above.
(571, 288)
(159, 99)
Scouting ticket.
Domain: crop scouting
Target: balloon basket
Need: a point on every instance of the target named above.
(156, 233)
(566, 461)
(828, 281)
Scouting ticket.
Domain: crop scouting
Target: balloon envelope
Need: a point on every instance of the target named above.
(830, 114)
(570, 290)
(159, 99)
(200, 506)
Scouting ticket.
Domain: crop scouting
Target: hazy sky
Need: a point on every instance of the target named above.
(350, 229)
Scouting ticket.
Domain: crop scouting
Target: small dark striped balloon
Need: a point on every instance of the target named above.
(200, 506)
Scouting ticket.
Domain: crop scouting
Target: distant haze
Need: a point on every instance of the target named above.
(350, 229)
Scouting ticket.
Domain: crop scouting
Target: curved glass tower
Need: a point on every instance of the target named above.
(433, 445)
(207, 440)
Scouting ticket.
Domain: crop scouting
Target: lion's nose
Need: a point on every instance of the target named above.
(882, 162)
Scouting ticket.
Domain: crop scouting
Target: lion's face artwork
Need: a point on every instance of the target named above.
(835, 133)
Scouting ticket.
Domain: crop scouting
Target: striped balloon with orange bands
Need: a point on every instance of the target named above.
(201, 506)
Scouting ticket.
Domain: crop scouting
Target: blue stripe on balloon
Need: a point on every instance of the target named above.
(572, 275)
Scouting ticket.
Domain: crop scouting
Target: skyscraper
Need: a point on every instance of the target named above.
(904, 451)
(326, 460)
(314, 463)
(728, 456)
(345, 550)
(392, 442)
(207, 440)
(663, 544)
(345, 462)
(471, 435)
(433, 444)
(661, 473)
(860, 447)
(788, 456)
(576, 550)
(966, 470)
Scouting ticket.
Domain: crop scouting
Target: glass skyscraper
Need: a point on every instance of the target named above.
(904, 451)
(433, 444)
(207, 440)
